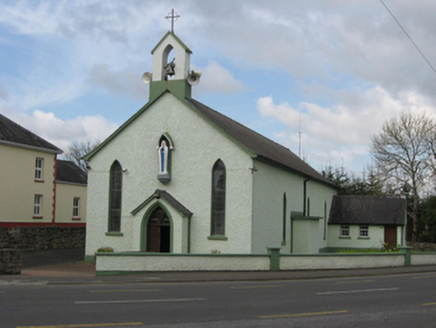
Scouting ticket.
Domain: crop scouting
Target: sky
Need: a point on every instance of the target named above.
(317, 76)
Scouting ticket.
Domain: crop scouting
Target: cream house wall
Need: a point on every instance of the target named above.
(18, 184)
(376, 235)
(65, 193)
(198, 145)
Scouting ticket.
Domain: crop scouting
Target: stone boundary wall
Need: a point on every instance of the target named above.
(35, 238)
(423, 247)
(10, 261)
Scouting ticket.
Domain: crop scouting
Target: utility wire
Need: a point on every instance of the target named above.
(417, 48)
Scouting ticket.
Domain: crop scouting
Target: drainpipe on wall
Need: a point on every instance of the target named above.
(305, 195)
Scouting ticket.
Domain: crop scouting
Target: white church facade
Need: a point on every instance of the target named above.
(179, 177)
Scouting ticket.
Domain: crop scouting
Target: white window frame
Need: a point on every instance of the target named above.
(39, 165)
(37, 206)
(345, 228)
(364, 231)
(76, 207)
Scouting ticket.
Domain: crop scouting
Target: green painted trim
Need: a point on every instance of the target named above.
(142, 254)
(144, 226)
(250, 153)
(150, 199)
(88, 156)
(344, 237)
(179, 88)
(407, 251)
(211, 198)
(114, 234)
(363, 238)
(175, 37)
(274, 256)
(89, 259)
(217, 237)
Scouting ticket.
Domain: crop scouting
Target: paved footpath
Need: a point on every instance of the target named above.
(84, 273)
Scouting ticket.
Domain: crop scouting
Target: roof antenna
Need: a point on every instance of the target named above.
(299, 135)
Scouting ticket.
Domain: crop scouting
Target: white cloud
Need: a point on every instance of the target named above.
(215, 78)
(61, 133)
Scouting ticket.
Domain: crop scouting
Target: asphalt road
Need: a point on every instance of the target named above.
(407, 300)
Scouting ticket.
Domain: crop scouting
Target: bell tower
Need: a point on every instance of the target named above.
(168, 73)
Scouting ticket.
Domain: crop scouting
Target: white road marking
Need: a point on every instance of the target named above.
(142, 301)
(359, 291)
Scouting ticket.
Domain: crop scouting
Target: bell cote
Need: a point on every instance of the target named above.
(170, 69)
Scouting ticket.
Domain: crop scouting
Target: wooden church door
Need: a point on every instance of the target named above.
(158, 232)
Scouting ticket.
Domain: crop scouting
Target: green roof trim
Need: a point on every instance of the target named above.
(159, 195)
(88, 156)
(177, 39)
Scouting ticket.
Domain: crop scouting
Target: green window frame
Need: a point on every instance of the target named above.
(115, 194)
(218, 199)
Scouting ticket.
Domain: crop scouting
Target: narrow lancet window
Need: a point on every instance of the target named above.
(218, 198)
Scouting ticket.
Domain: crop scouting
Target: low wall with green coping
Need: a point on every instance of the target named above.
(423, 258)
(116, 263)
(341, 261)
(112, 263)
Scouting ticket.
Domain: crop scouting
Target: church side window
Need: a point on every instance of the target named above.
(284, 219)
(218, 198)
(116, 182)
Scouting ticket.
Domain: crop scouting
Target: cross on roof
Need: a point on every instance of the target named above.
(173, 19)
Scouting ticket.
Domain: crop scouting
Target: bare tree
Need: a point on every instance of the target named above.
(77, 150)
(403, 152)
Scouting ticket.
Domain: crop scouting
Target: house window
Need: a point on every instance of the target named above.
(76, 208)
(116, 181)
(38, 168)
(363, 232)
(37, 206)
(345, 231)
(218, 198)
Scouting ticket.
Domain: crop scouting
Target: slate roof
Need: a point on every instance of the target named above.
(13, 134)
(264, 148)
(368, 210)
(69, 172)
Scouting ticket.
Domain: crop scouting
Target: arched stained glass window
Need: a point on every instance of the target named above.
(218, 198)
(116, 182)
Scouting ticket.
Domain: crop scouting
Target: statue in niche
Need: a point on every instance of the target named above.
(163, 175)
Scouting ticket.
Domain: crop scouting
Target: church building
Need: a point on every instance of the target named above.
(180, 177)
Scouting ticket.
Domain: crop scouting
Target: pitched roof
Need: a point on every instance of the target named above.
(370, 210)
(262, 147)
(67, 171)
(170, 199)
(13, 134)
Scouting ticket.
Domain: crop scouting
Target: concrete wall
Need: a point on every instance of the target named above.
(341, 261)
(65, 193)
(112, 263)
(17, 176)
(196, 151)
(187, 262)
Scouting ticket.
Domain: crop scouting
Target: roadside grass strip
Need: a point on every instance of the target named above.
(275, 316)
(90, 325)
(426, 304)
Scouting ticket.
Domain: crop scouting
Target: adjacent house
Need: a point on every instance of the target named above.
(37, 189)
(367, 222)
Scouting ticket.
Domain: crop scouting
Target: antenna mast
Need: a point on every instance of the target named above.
(299, 135)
